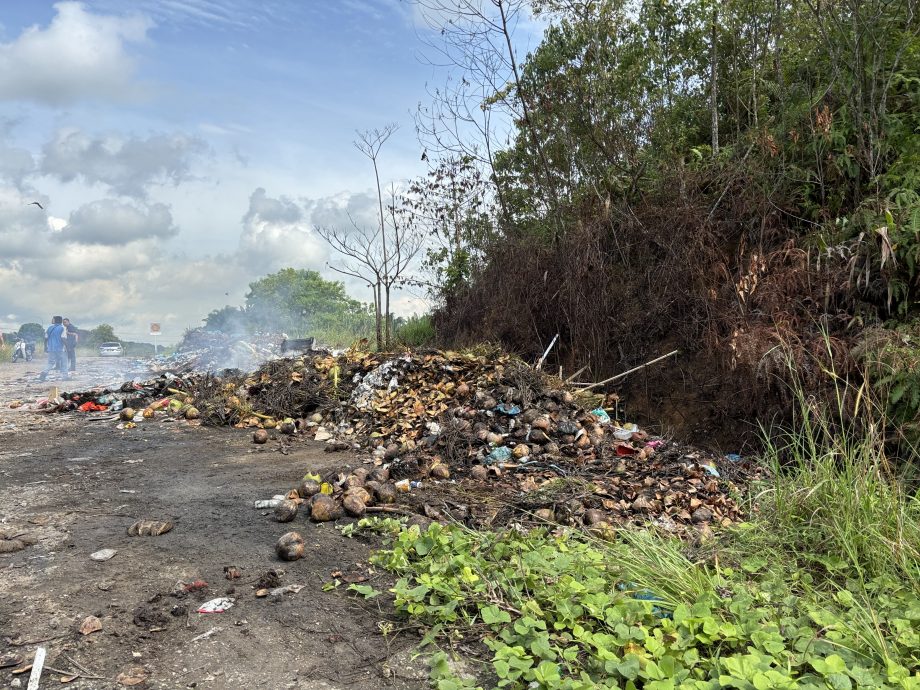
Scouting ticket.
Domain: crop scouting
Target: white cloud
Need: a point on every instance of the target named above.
(24, 228)
(115, 222)
(78, 56)
(109, 262)
(277, 233)
(126, 165)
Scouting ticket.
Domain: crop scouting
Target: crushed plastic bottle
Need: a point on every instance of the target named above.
(405, 485)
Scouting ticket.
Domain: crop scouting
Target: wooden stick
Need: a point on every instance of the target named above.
(37, 665)
(634, 369)
(575, 375)
(388, 509)
(552, 342)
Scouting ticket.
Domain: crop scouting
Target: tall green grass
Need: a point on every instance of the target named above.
(417, 331)
(832, 522)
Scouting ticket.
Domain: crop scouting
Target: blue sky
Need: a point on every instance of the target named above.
(182, 148)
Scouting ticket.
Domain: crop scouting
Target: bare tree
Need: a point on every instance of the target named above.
(362, 259)
(381, 256)
(476, 38)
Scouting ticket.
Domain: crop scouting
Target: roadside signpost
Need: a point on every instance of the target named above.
(155, 332)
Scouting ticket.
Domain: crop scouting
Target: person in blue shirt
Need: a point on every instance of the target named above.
(55, 338)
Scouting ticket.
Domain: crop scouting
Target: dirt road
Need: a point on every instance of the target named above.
(74, 486)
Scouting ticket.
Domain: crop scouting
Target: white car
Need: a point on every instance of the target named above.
(111, 350)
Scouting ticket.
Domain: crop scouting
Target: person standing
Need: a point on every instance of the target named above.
(55, 336)
(70, 344)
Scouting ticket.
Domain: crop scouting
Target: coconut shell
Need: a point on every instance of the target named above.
(361, 493)
(286, 510)
(538, 436)
(386, 493)
(354, 480)
(324, 509)
(354, 506)
(192, 413)
(127, 414)
(529, 415)
(149, 412)
(593, 516)
(603, 530)
(308, 488)
(479, 473)
(381, 474)
(260, 436)
(551, 448)
(288, 426)
(290, 546)
(522, 450)
(362, 473)
(440, 471)
(463, 389)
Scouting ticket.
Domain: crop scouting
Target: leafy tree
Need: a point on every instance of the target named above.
(32, 331)
(233, 320)
(450, 207)
(103, 333)
(297, 302)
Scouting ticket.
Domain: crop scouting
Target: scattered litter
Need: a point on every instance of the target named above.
(132, 676)
(38, 664)
(90, 625)
(287, 589)
(268, 503)
(711, 470)
(205, 635)
(182, 588)
(149, 528)
(103, 554)
(218, 605)
(601, 415)
(498, 455)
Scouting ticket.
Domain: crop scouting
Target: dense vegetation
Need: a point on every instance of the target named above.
(722, 177)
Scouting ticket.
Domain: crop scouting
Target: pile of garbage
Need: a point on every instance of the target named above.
(485, 439)
(477, 436)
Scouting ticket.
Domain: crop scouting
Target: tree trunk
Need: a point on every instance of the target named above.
(387, 315)
(377, 317)
(714, 86)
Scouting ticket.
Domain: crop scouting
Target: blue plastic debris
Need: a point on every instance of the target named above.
(642, 594)
(500, 454)
(734, 457)
(602, 415)
(508, 409)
